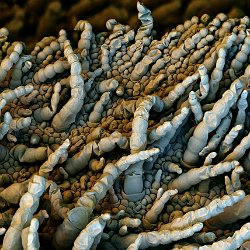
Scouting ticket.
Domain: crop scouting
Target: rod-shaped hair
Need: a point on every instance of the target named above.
(9, 95)
(53, 159)
(217, 137)
(27, 207)
(204, 82)
(179, 89)
(46, 113)
(23, 65)
(211, 120)
(96, 115)
(150, 218)
(233, 242)
(5, 125)
(138, 140)
(154, 83)
(144, 15)
(195, 106)
(242, 105)
(240, 150)
(241, 56)
(10, 60)
(214, 208)
(164, 133)
(196, 175)
(20, 123)
(155, 238)
(47, 73)
(231, 214)
(84, 43)
(55, 197)
(216, 75)
(227, 143)
(22, 153)
(230, 243)
(67, 115)
(90, 236)
(33, 238)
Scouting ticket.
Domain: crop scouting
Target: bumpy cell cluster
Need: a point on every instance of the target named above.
(119, 141)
